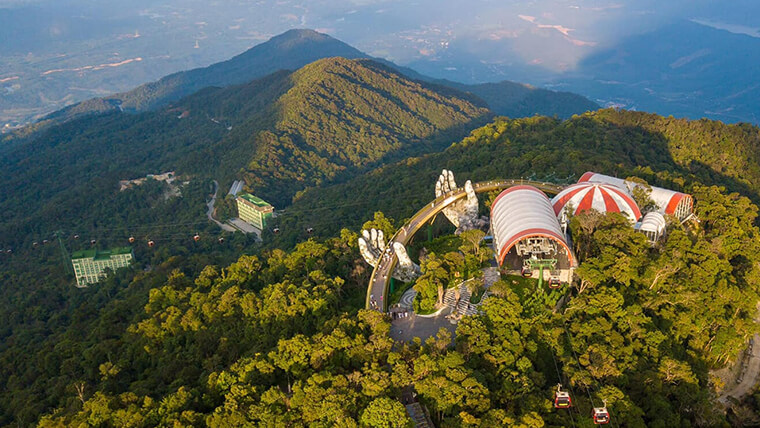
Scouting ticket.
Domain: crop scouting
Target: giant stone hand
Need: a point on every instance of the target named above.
(373, 249)
(463, 213)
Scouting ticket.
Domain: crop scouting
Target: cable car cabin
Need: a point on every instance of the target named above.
(76, 236)
(196, 237)
(151, 243)
(131, 239)
(554, 282)
(309, 230)
(562, 400)
(526, 272)
(601, 416)
(93, 242)
(221, 240)
(276, 230)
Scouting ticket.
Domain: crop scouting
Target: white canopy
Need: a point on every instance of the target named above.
(522, 212)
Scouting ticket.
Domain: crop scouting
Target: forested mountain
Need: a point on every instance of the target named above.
(296, 48)
(290, 130)
(278, 339)
(288, 51)
(666, 151)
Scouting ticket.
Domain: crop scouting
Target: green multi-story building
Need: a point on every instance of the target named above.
(254, 211)
(90, 265)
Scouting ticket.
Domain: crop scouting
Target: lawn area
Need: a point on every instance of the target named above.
(441, 245)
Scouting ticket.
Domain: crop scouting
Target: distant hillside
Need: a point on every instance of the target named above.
(520, 100)
(684, 69)
(290, 130)
(671, 152)
(294, 49)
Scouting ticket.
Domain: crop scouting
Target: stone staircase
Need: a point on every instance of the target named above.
(464, 304)
(463, 307)
(450, 297)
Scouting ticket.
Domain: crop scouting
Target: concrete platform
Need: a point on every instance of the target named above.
(244, 227)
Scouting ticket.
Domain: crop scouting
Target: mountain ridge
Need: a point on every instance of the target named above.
(294, 49)
(281, 133)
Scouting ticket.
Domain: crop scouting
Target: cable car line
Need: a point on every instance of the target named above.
(559, 377)
(595, 415)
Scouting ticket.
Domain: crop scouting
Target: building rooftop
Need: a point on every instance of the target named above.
(254, 200)
(100, 254)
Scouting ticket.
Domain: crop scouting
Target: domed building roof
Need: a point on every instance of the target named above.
(668, 202)
(601, 197)
(524, 212)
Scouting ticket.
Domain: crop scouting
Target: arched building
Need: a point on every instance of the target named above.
(599, 196)
(525, 229)
(653, 226)
(669, 202)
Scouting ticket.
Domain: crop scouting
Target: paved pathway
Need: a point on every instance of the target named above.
(406, 329)
(428, 325)
(491, 275)
(419, 417)
(750, 372)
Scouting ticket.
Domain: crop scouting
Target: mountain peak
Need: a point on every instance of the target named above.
(290, 50)
(306, 43)
(301, 34)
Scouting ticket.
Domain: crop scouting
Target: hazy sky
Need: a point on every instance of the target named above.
(552, 33)
(54, 52)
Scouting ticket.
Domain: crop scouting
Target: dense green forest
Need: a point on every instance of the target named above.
(522, 100)
(65, 178)
(200, 334)
(278, 340)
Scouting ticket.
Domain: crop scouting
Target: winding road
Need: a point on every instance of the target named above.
(379, 282)
(210, 211)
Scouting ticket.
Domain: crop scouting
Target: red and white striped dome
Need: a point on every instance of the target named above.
(598, 196)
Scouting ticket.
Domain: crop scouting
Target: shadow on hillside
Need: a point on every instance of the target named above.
(533, 146)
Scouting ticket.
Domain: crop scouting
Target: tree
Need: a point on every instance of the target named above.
(431, 285)
(385, 412)
(641, 193)
(473, 239)
(380, 222)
